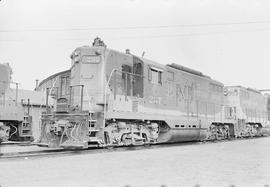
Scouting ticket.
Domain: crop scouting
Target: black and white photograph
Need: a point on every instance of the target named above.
(135, 93)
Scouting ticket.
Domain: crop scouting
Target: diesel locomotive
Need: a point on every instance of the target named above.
(19, 109)
(120, 99)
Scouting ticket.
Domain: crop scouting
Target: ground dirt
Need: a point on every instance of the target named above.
(231, 163)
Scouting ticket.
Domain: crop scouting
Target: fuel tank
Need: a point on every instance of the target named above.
(182, 135)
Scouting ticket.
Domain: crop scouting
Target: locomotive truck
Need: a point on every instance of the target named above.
(120, 99)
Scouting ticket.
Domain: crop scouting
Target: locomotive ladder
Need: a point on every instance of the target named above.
(92, 123)
(92, 129)
(25, 128)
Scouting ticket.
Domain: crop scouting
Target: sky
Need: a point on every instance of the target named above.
(229, 40)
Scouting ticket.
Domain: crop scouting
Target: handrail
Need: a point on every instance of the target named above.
(105, 95)
(81, 91)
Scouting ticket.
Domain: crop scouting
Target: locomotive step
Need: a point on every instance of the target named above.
(93, 130)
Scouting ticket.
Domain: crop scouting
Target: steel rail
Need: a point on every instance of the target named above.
(69, 152)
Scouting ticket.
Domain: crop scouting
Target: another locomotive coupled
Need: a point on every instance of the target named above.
(19, 109)
(119, 99)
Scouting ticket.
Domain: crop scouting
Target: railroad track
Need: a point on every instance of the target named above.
(10, 143)
(57, 152)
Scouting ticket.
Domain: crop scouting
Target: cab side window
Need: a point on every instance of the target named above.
(155, 76)
(126, 69)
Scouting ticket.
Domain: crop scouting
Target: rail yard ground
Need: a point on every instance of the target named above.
(230, 163)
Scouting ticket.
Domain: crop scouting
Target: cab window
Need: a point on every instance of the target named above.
(155, 76)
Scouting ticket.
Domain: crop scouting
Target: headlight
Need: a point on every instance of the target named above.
(76, 58)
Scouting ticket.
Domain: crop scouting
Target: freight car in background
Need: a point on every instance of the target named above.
(117, 99)
(20, 110)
